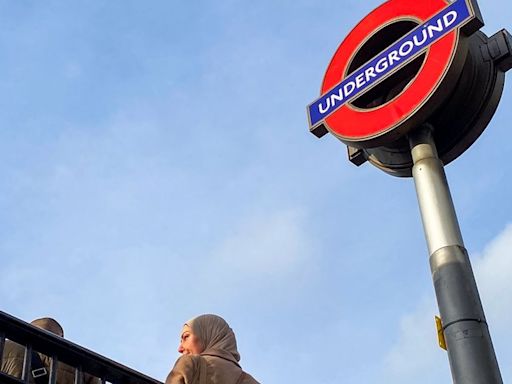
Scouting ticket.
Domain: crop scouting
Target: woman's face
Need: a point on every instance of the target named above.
(189, 343)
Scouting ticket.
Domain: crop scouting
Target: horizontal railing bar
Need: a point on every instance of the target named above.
(69, 353)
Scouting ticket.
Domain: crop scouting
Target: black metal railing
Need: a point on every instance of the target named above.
(61, 350)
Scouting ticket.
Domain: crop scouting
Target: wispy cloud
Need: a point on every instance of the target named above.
(415, 357)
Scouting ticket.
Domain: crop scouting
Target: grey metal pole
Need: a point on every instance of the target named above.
(470, 351)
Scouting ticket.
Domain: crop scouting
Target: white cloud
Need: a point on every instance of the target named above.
(493, 271)
(415, 357)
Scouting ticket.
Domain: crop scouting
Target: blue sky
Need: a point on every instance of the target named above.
(156, 164)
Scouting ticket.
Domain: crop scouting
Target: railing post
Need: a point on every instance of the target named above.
(27, 364)
(2, 345)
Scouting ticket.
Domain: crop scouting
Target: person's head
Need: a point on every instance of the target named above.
(49, 324)
(189, 342)
(208, 335)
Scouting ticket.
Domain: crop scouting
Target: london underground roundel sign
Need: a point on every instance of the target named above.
(391, 69)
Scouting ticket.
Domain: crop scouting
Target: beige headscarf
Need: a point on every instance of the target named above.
(216, 337)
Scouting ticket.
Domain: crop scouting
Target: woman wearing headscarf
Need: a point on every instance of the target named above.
(209, 354)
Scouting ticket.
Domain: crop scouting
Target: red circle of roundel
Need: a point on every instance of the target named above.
(352, 124)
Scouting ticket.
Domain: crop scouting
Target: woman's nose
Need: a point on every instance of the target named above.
(180, 349)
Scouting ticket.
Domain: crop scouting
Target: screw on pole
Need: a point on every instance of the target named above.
(470, 351)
